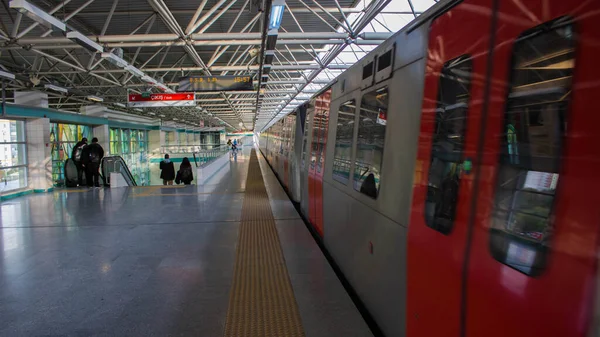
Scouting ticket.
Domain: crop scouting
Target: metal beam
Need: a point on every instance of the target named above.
(194, 37)
(347, 10)
(71, 15)
(109, 18)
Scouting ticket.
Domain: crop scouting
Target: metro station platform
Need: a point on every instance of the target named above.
(230, 258)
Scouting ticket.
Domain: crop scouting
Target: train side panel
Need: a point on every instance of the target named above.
(534, 247)
(366, 236)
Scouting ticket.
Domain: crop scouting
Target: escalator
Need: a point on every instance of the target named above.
(115, 164)
(110, 164)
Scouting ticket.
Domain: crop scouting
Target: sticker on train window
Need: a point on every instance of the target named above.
(344, 136)
(535, 122)
(448, 142)
(370, 142)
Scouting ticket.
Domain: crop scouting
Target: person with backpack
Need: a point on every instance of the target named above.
(184, 175)
(167, 171)
(76, 156)
(91, 157)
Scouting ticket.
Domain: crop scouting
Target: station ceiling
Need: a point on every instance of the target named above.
(170, 39)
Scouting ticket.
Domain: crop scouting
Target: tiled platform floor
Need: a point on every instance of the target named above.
(151, 261)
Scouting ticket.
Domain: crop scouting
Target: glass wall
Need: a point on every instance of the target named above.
(132, 145)
(63, 138)
(210, 139)
(13, 156)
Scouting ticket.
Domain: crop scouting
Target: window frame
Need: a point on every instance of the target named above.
(446, 65)
(25, 164)
(496, 235)
(352, 141)
(363, 93)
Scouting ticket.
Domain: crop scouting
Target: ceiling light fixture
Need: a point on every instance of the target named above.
(38, 15)
(114, 59)
(95, 98)
(276, 15)
(148, 79)
(85, 42)
(56, 88)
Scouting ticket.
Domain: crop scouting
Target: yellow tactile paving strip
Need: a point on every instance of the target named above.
(261, 301)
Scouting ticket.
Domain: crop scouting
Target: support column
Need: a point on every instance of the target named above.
(39, 161)
(156, 139)
(102, 132)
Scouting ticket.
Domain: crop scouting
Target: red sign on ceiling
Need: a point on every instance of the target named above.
(184, 96)
(162, 100)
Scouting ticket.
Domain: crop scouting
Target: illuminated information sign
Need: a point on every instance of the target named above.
(161, 100)
(215, 83)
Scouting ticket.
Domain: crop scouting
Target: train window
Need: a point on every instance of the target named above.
(368, 70)
(535, 123)
(384, 60)
(305, 150)
(344, 135)
(448, 142)
(322, 103)
(371, 138)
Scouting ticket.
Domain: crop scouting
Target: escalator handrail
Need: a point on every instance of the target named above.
(123, 164)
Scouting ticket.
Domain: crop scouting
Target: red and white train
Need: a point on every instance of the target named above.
(450, 173)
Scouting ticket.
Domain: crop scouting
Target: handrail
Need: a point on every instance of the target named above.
(195, 159)
(187, 148)
(109, 165)
(208, 156)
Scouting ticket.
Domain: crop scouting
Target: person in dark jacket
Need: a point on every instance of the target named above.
(369, 186)
(90, 158)
(167, 171)
(76, 156)
(185, 175)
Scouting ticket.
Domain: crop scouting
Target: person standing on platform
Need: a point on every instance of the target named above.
(76, 156)
(184, 175)
(91, 157)
(167, 171)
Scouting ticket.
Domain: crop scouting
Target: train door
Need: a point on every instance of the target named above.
(453, 103)
(286, 151)
(322, 104)
(534, 241)
(320, 114)
(292, 168)
(306, 160)
(312, 160)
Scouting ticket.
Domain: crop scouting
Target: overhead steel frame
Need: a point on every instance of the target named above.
(370, 13)
(289, 76)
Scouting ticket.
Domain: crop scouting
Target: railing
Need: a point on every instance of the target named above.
(174, 149)
(116, 164)
(205, 157)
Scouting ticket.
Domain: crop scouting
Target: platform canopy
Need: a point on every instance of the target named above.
(82, 52)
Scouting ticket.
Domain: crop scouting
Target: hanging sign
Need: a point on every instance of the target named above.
(215, 83)
(161, 100)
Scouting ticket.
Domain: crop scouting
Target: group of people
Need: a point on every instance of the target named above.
(184, 175)
(87, 158)
(233, 145)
